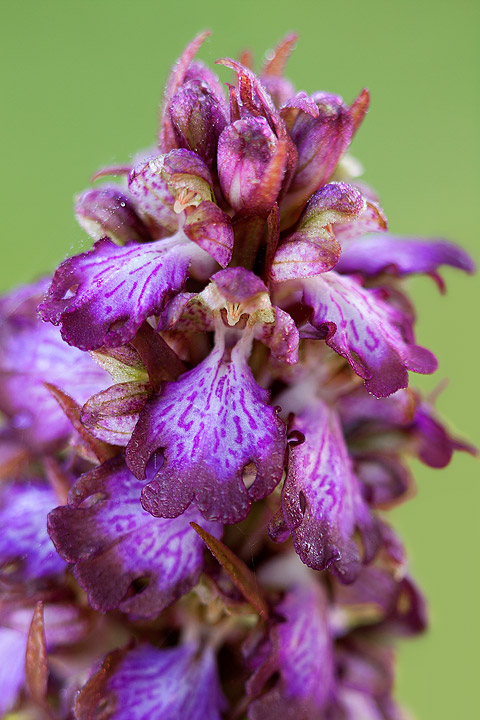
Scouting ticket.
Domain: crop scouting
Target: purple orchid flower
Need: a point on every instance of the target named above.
(226, 366)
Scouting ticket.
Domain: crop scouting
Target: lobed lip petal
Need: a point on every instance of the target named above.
(31, 354)
(301, 652)
(146, 682)
(198, 118)
(313, 249)
(321, 499)
(26, 552)
(109, 212)
(114, 542)
(101, 297)
(400, 256)
(359, 325)
(211, 423)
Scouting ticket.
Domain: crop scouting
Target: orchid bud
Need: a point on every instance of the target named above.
(198, 119)
(249, 176)
(107, 211)
(320, 142)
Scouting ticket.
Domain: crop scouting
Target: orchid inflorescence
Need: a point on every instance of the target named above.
(205, 416)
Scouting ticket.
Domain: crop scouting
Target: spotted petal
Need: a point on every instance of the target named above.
(146, 682)
(359, 325)
(211, 423)
(321, 499)
(101, 297)
(113, 543)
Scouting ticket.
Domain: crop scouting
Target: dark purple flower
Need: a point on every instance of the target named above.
(124, 558)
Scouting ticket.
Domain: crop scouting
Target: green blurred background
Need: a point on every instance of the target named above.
(80, 86)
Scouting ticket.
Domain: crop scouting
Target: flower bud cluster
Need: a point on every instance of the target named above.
(206, 419)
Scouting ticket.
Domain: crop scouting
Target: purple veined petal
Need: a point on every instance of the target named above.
(198, 118)
(302, 655)
(146, 682)
(359, 325)
(313, 249)
(31, 354)
(13, 645)
(112, 414)
(26, 551)
(321, 499)
(211, 423)
(109, 212)
(114, 543)
(101, 297)
(373, 254)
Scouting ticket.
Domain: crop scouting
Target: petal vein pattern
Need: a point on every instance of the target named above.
(101, 297)
(321, 499)
(152, 684)
(114, 542)
(359, 325)
(211, 423)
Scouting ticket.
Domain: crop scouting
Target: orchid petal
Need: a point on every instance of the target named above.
(113, 542)
(211, 423)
